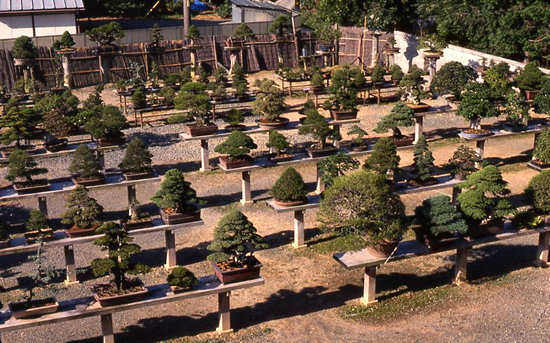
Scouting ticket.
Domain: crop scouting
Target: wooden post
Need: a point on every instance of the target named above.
(461, 266)
(224, 325)
(107, 328)
(480, 148)
(205, 161)
(336, 130)
(320, 184)
(542, 250)
(418, 128)
(70, 267)
(369, 286)
(247, 194)
(101, 159)
(170, 237)
(298, 229)
(43, 205)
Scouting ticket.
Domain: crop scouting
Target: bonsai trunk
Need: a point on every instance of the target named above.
(397, 132)
(118, 275)
(475, 124)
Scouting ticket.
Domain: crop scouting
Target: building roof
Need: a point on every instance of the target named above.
(260, 5)
(40, 6)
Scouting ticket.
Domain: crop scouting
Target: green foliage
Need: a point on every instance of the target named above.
(358, 79)
(432, 42)
(42, 277)
(182, 277)
(325, 31)
(316, 126)
(497, 79)
(483, 196)
(193, 97)
(542, 100)
(463, 161)
(137, 158)
(359, 134)
(243, 32)
(179, 118)
(363, 202)
(220, 75)
(343, 94)
(438, 217)
(396, 73)
(516, 109)
(377, 74)
(280, 25)
(18, 123)
(289, 187)
(269, 101)
(156, 36)
(58, 112)
(106, 34)
(477, 103)
(193, 34)
(317, 80)
(235, 238)
(234, 117)
(400, 115)
(277, 141)
(91, 108)
(37, 221)
(24, 48)
(530, 78)
(527, 220)
(65, 42)
(138, 98)
(176, 193)
(383, 158)
(22, 165)
(224, 10)
(423, 165)
(336, 165)
(239, 81)
(452, 78)
(81, 210)
(411, 85)
(538, 192)
(108, 125)
(237, 145)
(120, 250)
(169, 95)
(172, 79)
(84, 163)
(542, 146)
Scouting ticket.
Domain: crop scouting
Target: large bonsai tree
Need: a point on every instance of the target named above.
(343, 93)
(84, 163)
(269, 101)
(538, 193)
(22, 165)
(107, 126)
(235, 239)
(277, 141)
(193, 34)
(176, 194)
(243, 32)
(65, 42)
(530, 78)
(542, 147)
(423, 165)
(23, 48)
(497, 77)
(463, 162)
(400, 115)
(316, 126)
(280, 25)
(106, 34)
(452, 79)
(289, 187)
(437, 217)
(137, 159)
(193, 97)
(237, 145)
(37, 221)
(476, 104)
(383, 158)
(542, 100)
(58, 112)
(411, 85)
(18, 123)
(335, 166)
(239, 81)
(81, 210)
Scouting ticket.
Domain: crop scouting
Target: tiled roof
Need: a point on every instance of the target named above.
(264, 5)
(40, 5)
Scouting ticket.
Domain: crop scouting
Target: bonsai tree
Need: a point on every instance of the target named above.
(168, 94)
(290, 187)
(120, 250)
(65, 42)
(316, 126)
(280, 25)
(452, 78)
(343, 94)
(106, 34)
(22, 166)
(542, 100)
(235, 240)
(175, 194)
(396, 74)
(516, 110)
(377, 74)
(317, 81)
(193, 97)
(220, 75)
(85, 163)
(277, 141)
(58, 112)
(335, 166)
(497, 77)
(219, 92)
(237, 146)
(18, 123)
(193, 34)
(400, 115)
(24, 49)
(239, 82)
(37, 221)
(423, 165)
(530, 78)
(107, 126)
(483, 196)
(357, 77)
(182, 278)
(432, 42)
(537, 193)
(172, 79)
(541, 152)
(42, 278)
(384, 158)
(81, 210)
(137, 159)
(269, 102)
(156, 37)
(477, 104)
(359, 134)
(234, 118)
(438, 218)
(411, 85)
(463, 162)
(139, 99)
(91, 108)
(243, 33)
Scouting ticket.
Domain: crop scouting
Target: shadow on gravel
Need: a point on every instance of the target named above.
(507, 161)
(183, 166)
(154, 139)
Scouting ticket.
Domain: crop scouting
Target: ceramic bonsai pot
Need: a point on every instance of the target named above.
(36, 308)
(232, 163)
(110, 141)
(56, 146)
(531, 95)
(129, 176)
(231, 128)
(283, 203)
(227, 273)
(280, 157)
(35, 186)
(89, 181)
(432, 242)
(45, 234)
(138, 224)
(490, 228)
(200, 130)
(433, 53)
(419, 108)
(383, 249)
(474, 133)
(327, 151)
(414, 183)
(75, 231)
(171, 218)
(138, 294)
(177, 290)
(264, 123)
(402, 141)
(343, 114)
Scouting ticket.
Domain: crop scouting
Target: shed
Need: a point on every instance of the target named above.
(249, 11)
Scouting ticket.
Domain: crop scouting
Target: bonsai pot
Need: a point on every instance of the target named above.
(114, 140)
(280, 157)
(318, 90)
(490, 228)
(432, 242)
(382, 249)
(171, 217)
(44, 234)
(56, 146)
(76, 231)
(514, 128)
(416, 183)
(27, 148)
(177, 289)
(4, 243)
(35, 186)
(242, 97)
(327, 151)
(33, 309)
(22, 62)
(138, 223)
(200, 130)
(433, 53)
(89, 181)
(364, 146)
(266, 124)
(129, 176)
(474, 133)
(218, 98)
(289, 203)
(402, 141)
(238, 127)
(531, 95)
(232, 163)
(105, 297)
(419, 108)
(343, 114)
(228, 272)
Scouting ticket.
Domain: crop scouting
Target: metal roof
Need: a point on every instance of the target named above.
(262, 5)
(40, 5)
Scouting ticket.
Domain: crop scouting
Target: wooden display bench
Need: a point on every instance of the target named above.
(409, 249)
(158, 295)
(536, 167)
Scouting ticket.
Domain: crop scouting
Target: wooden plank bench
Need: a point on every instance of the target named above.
(159, 294)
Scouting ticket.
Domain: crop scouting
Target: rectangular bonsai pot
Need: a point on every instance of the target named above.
(196, 130)
(130, 176)
(30, 149)
(75, 231)
(33, 236)
(321, 152)
(491, 228)
(35, 186)
(402, 141)
(419, 108)
(343, 115)
(127, 298)
(238, 274)
(4, 243)
(138, 224)
(104, 142)
(231, 163)
(90, 181)
(19, 310)
(280, 158)
(179, 218)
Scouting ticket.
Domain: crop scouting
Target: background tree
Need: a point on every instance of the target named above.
(22, 165)
(137, 158)
(542, 100)
(452, 79)
(81, 210)
(84, 163)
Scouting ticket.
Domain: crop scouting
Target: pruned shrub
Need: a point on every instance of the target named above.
(289, 187)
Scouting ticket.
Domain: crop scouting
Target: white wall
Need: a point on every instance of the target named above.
(46, 25)
(15, 26)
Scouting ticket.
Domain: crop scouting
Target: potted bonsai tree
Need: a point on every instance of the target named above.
(220, 76)
(498, 79)
(242, 33)
(542, 100)
(476, 104)
(139, 100)
(236, 149)
(452, 78)
(167, 95)
(536, 194)
(530, 80)
(278, 145)
(463, 163)
(83, 214)
(334, 166)
(363, 202)
(107, 128)
(138, 217)
(234, 243)
(358, 78)
(239, 82)
(85, 167)
(278, 28)
(64, 44)
(439, 222)
(136, 163)
(269, 104)
(290, 189)
(172, 80)
(22, 166)
(193, 97)
(377, 75)
(316, 126)
(317, 82)
(219, 93)
(423, 166)
(359, 142)
(396, 74)
(235, 120)
(177, 200)
(18, 124)
(384, 159)
(400, 115)
(516, 111)
(120, 249)
(24, 52)
(541, 152)
(433, 44)
(342, 102)
(105, 36)
(483, 201)
(411, 89)
(181, 279)
(37, 227)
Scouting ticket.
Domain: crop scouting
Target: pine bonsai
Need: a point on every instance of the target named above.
(359, 134)
(42, 277)
(37, 221)
(107, 126)
(377, 74)
(243, 33)
(239, 81)
(269, 102)
(175, 194)
(530, 78)
(384, 157)
(537, 193)
(277, 141)
(172, 80)
(81, 211)
(23, 48)
(516, 110)
(411, 85)
(137, 158)
(343, 94)
(317, 81)
(22, 165)
(106, 34)
(463, 162)
(423, 166)
(138, 99)
(237, 146)
(316, 126)
(120, 250)
(234, 118)
(182, 278)
(168, 95)
(542, 147)
(156, 37)
(289, 187)
(85, 163)
(497, 77)
(335, 166)
(18, 123)
(542, 100)
(193, 34)
(476, 104)
(438, 218)
(58, 112)
(91, 108)
(193, 97)
(235, 240)
(396, 74)
(65, 42)
(280, 25)
(452, 78)
(220, 75)
(358, 79)
(400, 115)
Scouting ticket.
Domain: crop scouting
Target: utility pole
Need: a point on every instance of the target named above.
(186, 18)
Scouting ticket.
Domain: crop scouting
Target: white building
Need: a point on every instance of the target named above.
(249, 11)
(35, 18)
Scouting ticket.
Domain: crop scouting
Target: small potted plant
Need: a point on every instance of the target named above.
(138, 217)
(452, 79)
(536, 194)
(476, 104)
(439, 222)
(358, 78)
(136, 163)
(483, 201)
(541, 152)
(85, 168)
(278, 146)
(172, 80)
(377, 76)
(105, 36)
(235, 120)
(423, 166)
(400, 115)
(234, 243)
(269, 104)
(239, 83)
(342, 102)
(194, 98)
(241, 34)
(220, 76)
(290, 189)
(37, 227)
(308, 105)
(316, 126)
(24, 52)
(181, 279)
(107, 127)
(22, 166)
(530, 80)
(396, 74)
(177, 200)
(463, 163)
(83, 214)
(65, 44)
(4, 235)
(411, 89)
(359, 142)
(516, 111)
(121, 289)
(236, 149)
(383, 159)
(317, 82)
(542, 100)
(433, 45)
(219, 93)
(139, 100)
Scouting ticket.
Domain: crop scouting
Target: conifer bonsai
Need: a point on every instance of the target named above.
(243, 33)
(168, 95)
(334, 166)
(235, 119)
(400, 115)
(24, 51)
(269, 104)
(280, 26)
(463, 162)
(537, 194)
(452, 78)
(343, 95)
(136, 162)
(290, 189)
(541, 152)
(85, 167)
(65, 43)
(139, 100)
(19, 124)
(497, 77)
(530, 80)
(384, 158)
(237, 147)
(411, 88)
(83, 214)
(516, 111)
(358, 78)
(193, 35)
(22, 166)
(316, 126)
(377, 74)
(193, 97)
(423, 165)
(176, 199)
(105, 35)
(181, 279)
(107, 128)
(37, 227)
(233, 246)
(239, 82)
(396, 74)
(542, 100)
(278, 144)
(358, 143)
(317, 82)
(476, 104)
(58, 112)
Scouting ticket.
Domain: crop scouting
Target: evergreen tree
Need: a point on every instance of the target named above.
(477, 103)
(239, 81)
(237, 145)
(108, 125)
(384, 157)
(452, 79)
(18, 123)
(542, 100)
(277, 141)
(193, 97)
(243, 32)
(175, 193)
(22, 165)
(81, 210)
(538, 192)
(423, 161)
(137, 158)
(316, 126)
(463, 162)
(335, 166)
(37, 221)
(84, 163)
(289, 187)
(65, 42)
(182, 278)
(400, 115)
(542, 147)
(438, 216)
(269, 101)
